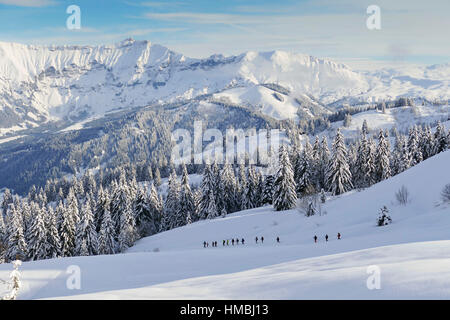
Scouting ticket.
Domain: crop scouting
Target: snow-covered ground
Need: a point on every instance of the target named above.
(412, 253)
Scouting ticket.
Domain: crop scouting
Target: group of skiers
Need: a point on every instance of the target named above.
(242, 241)
(234, 241)
(326, 237)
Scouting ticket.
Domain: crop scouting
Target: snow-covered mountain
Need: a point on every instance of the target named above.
(45, 83)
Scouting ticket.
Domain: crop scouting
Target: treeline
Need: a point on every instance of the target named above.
(108, 212)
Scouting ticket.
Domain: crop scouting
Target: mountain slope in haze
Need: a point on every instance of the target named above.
(412, 252)
(48, 83)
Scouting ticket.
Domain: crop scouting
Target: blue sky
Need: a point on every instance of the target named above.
(411, 31)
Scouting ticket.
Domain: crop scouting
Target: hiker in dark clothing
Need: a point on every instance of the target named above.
(278, 239)
(204, 244)
(232, 242)
(315, 239)
(227, 242)
(262, 239)
(256, 239)
(326, 238)
(243, 241)
(223, 243)
(207, 244)
(237, 241)
(339, 236)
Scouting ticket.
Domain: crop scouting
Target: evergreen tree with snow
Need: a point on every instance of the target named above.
(36, 237)
(85, 233)
(53, 248)
(16, 246)
(120, 202)
(127, 230)
(142, 214)
(251, 188)
(187, 206)
(172, 204)
(156, 209)
(208, 208)
(284, 197)
(440, 139)
(242, 195)
(304, 170)
(339, 177)
(414, 149)
(229, 189)
(383, 166)
(67, 233)
(106, 238)
(101, 205)
(364, 165)
(267, 195)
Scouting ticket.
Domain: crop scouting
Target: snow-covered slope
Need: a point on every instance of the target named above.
(41, 83)
(412, 253)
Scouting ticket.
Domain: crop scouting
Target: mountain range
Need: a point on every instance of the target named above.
(42, 84)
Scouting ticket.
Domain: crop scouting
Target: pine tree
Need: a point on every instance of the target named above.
(172, 204)
(53, 248)
(107, 239)
(304, 170)
(364, 165)
(284, 197)
(242, 196)
(142, 214)
(383, 168)
(339, 176)
(267, 197)
(16, 246)
(127, 230)
(156, 209)
(67, 233)
(229, 189)
(36, 238)
(120, 202)
(101, 205)
(440, 139)
(208, 208)
(414, 150)
(187, 205)
(85, 233)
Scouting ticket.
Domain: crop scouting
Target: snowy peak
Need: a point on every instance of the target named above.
(44, 83)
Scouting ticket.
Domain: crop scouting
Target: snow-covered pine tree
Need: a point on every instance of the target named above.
(383, 156)
(284, 196)
(440, 139)
(120, 202)
(172, 204)
(7, 200)
(322, 164)
(85, 233)
(142, 214)
(156, 208)
(36, 237)
(208, 209)
(251, 188)
(228, 188)
(363, 165)
(127, 230)
(365, 128)
(72, 205)
(16, 246)
(102, 204)
(53, 248)
(427, 143)
(305, 170)
(242, 196)
(106, 238)
(339, 177)
(414, 150)
(267, 196)
(187, 205)
(67, 233)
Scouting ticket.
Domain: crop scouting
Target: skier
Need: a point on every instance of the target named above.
(256, 239)
(232, 242)
(326, 238)
(237, 241)
(278, 239)
(339, 236)
(262, 239)
(243, 241)
(315, 239)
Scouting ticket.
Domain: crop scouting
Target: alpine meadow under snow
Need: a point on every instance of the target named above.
(412, 252)
(89, 184)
